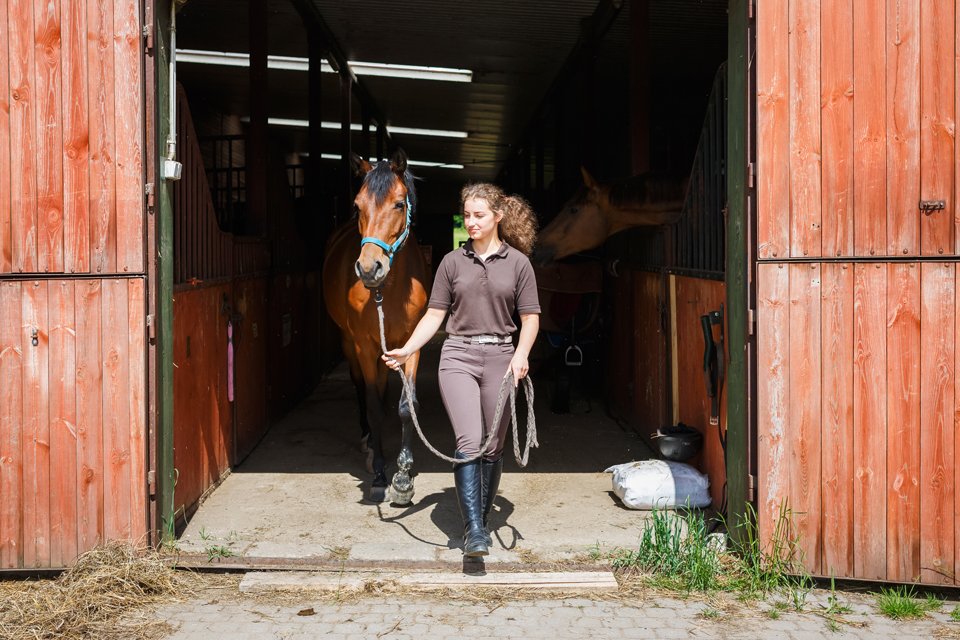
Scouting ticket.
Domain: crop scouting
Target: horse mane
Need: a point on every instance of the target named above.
(379, 180)
(643, 189)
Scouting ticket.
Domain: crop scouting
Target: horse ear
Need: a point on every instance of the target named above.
(588, 180)
(398, 162)
(360, 166)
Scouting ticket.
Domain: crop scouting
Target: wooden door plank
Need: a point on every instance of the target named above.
(11, 426)
(49, 151)
(903, 127)
(773, 394)
(128, 124)
(869, 421)
(869, 129)
(23, 143)
(89, 414)
(837, 421)
(63, 423)
(836, 89)
(115, 343)
(805, 149)
(76, 149)
(903, 427)
(803, 426)
(937, 410)
(36, 425)
(103, 215)
(138, 409)
(956, 151)
(773, 131)
(6, 230)
(937, 96)
(956, 432)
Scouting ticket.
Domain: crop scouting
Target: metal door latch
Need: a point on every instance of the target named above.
(929, 206)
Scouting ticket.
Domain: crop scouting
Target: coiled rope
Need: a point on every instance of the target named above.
(505, 385)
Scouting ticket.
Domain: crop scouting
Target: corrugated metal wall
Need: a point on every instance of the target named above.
(856, 284)
(72, 280)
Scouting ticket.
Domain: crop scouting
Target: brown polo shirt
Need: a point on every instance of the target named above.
(482, 295)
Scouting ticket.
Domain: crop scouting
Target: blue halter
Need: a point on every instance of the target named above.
(391, 249)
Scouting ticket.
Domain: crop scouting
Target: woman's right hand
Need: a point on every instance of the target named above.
(396, 357)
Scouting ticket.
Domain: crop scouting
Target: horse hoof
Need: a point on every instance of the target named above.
(377, 494)
(400, 498)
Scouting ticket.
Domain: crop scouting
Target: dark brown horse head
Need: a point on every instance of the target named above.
(597, 211)
(384, 208)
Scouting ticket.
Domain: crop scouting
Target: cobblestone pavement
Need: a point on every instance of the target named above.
(225, 613)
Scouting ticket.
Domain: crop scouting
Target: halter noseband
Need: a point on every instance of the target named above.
(392, 249)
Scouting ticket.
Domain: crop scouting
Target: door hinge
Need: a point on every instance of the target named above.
(750, 175)
(148, 39)
(751, 323)
(751, 487)
(148, 191)
(151, 329)
(152, 482)
(750, 9)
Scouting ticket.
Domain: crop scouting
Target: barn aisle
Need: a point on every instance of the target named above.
(300, 494)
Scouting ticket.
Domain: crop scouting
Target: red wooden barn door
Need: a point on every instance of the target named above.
(856, 284)
(72, 279)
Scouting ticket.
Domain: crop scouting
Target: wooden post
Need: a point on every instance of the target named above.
(313, 181)
(346, 179)
(381, 140)
(166, 475)
(640, 86)
(739, 439)
(365, 138)
(256, 152)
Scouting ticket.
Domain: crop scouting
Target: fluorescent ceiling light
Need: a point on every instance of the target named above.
(412, 131)
(412, 163)
(289, 63)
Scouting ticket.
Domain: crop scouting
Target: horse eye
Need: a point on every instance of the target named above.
(399, 205)
(573, 210)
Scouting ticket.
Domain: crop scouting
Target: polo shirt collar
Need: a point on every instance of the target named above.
(500, 252)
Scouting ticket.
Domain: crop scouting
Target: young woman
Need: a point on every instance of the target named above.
(481, 286)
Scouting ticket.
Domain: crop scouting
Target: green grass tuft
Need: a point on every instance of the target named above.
(676, 551)
(900, 603)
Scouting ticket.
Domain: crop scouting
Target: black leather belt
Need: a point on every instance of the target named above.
(482, 339)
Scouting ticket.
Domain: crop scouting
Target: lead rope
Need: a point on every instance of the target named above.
(505, 384)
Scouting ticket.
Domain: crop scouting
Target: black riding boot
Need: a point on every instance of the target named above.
(467, 478)
(490, 478)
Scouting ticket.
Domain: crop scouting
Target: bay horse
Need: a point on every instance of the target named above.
(597, 211)
(376, 252)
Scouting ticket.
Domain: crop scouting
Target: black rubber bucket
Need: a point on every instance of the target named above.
(679, 442)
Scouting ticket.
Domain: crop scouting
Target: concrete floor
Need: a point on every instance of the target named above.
(301, 493)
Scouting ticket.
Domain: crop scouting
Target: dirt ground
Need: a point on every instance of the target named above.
(302, 493)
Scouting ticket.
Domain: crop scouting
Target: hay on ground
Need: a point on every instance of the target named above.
(96, 598)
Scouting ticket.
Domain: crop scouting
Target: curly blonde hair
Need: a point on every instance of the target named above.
(519, 224)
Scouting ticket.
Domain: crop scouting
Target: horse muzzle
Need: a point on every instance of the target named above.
(542, 255)
(372, 273)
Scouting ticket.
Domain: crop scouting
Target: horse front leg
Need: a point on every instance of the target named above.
(374, 386)
(401, 487)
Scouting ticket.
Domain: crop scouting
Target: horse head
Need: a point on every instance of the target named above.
(580, 225)
(384, 209)
(598, 211)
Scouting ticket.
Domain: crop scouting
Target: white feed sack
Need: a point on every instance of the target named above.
(649, 484)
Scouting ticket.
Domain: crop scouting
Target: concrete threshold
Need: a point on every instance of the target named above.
(355, 580)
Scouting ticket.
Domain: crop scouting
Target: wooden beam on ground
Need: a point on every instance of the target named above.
(264, 582)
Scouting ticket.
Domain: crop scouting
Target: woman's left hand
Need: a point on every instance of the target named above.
(519, 367)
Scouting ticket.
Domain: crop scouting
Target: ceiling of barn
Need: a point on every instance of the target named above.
(514, 49)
